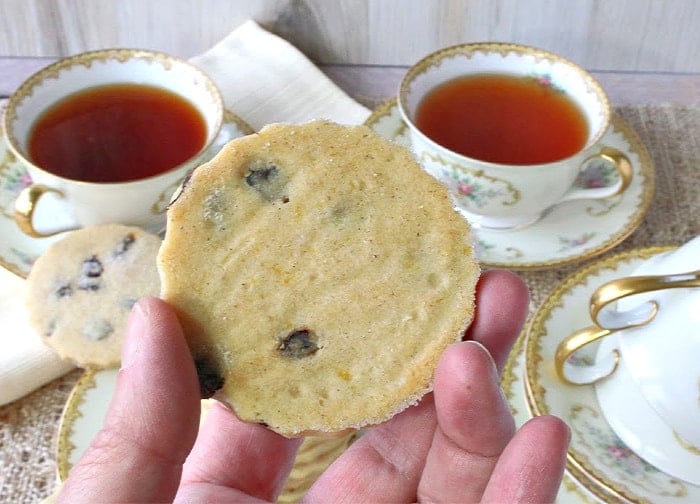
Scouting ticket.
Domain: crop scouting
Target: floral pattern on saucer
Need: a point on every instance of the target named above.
(572, 231)
(602, 462)
(19, 251)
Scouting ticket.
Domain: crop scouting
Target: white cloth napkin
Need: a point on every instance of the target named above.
(263, 79)
(25, 362)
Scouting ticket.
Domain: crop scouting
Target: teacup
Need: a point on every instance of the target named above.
(42, 125)
(471, 111)
(647, 365)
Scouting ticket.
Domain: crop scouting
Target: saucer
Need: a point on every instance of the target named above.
(87, 405)
(602, 463)
(18, 251)
(572, 231)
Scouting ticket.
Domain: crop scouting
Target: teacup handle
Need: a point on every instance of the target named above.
(25, 206)
(584, 374)
(622, 165)
(609, 321)
(615, 290)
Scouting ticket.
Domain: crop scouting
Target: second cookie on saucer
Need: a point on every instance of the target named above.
(81, 290)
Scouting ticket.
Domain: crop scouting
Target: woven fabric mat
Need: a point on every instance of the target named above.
(671, 133)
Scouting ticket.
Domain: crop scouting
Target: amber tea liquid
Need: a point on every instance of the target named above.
(503, 119)
(116, 133)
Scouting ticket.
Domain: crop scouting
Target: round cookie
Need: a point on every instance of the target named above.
(81, 289)
(318, 273)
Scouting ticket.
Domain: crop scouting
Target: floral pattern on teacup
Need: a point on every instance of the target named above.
(14, 178)
(597, 173)
(469, 190)
(545, 80)
(473, 188)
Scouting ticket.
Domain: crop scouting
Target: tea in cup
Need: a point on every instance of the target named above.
(646, 369)
(508, 128)
(107, 136)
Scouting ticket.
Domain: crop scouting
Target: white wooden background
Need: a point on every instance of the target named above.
(617, 35)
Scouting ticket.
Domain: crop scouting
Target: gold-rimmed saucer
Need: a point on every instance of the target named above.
(18, 251)
(570, 232)
(597, 458)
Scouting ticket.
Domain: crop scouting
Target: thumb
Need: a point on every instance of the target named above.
(152, 420)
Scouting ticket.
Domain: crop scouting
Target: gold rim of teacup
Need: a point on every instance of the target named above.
(503, 49)
(121, 55)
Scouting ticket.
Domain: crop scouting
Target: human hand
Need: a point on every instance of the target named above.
(458, 444)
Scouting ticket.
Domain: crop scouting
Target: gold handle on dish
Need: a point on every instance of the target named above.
(25, 205)
(621, 288)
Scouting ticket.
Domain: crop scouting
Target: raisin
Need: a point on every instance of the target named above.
(65, 290)
(96, 330)
(125, 244)
(210, 379)
(91, 272)
(298, 344)
(269, 182)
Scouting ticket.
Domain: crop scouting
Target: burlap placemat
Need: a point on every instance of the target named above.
(671, 133)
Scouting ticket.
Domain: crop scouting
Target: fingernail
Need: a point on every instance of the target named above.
(483, 348)
(488, 355)
(135, 328)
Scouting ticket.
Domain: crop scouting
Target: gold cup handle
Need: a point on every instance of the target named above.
(621, 163)
(610, 321)
(583, 374)
(621, 288)
(25, 206)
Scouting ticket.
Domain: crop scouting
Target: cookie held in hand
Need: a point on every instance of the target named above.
(80, 291)
(319, 273)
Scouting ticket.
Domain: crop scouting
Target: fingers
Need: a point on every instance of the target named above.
(384, 465)
(502, 304)
(474, 426)
(232, 459)
(531, 467)
(138, 455)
